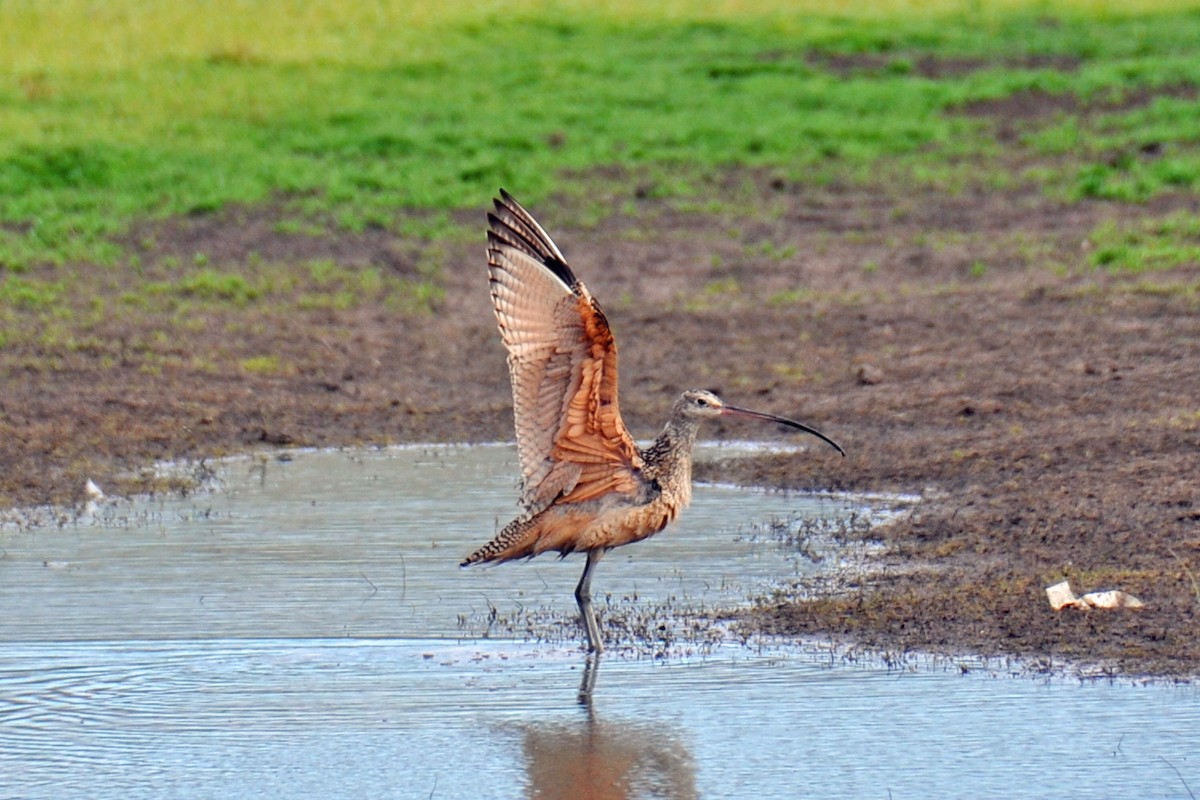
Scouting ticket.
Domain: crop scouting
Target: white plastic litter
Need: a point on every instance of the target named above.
(1061, 596)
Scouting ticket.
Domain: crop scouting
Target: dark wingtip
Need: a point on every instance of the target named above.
(506, 201)
(518, 233)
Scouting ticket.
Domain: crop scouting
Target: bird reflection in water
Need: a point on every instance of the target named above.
(593, 759)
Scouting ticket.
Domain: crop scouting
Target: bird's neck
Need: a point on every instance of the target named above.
(671, 453)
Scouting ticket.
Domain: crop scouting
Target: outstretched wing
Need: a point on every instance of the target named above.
(563, 363)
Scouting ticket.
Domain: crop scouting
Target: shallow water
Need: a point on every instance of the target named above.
(365, 545)
(307, 632)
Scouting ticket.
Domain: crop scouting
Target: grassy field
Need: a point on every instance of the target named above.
(348, 118)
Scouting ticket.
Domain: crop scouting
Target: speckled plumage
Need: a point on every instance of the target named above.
(585, 485)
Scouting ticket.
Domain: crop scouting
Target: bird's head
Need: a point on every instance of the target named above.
(699, 404)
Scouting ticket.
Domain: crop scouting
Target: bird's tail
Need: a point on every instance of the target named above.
(518, 539)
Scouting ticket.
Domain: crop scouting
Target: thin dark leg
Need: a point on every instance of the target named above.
(583, 596)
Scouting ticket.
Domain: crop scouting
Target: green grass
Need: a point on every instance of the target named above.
(262, 365)
(208, 284)
(1148, 245)
(23, 293)
(359, 113)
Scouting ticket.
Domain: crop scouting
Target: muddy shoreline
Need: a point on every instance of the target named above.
(1046, 415)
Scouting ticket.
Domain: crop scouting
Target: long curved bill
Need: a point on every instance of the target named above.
(791, 423)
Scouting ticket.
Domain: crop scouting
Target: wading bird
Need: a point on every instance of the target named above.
(585, 485)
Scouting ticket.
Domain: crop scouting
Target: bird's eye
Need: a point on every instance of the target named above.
(700, 401)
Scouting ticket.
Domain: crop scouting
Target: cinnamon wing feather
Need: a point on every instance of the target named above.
(572, 443)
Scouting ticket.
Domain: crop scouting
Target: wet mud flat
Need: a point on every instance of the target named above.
(1047, 416)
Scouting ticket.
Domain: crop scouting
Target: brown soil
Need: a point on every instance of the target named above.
(925, 65)
(1020, 112)
(1048, 414)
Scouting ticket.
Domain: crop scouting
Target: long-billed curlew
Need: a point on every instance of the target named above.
(585, 485)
